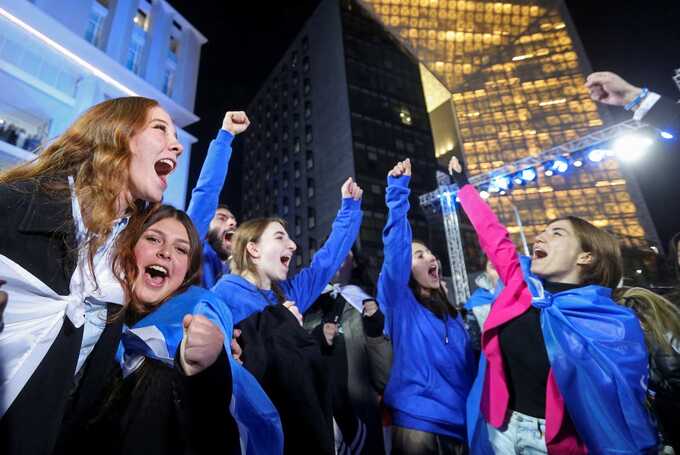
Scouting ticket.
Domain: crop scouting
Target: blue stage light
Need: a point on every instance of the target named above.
(578, 162)
(529, 174)
(597, 155)
(502, 182)
(560, 165)
(666, 135)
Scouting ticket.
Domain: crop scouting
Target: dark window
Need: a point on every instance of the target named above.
(311, 218)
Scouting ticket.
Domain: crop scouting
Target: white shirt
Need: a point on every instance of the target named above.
(35, 313)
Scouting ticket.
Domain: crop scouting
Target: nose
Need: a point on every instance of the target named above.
(540, 238)
(175, 146)
(292, 246)
(163, 253)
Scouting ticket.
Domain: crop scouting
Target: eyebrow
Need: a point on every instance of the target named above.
(163, 121)
(560, 229)
(162, 234)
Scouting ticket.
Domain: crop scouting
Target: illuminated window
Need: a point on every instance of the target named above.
(405, 116)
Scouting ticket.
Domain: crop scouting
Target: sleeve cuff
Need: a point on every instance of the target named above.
(646, 105)
(224, 136)
(402, 181)
(349, 203)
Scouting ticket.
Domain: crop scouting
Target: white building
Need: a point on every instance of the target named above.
(59, 57)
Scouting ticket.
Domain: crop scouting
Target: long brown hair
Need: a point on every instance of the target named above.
(606, 268)
(240, 261)
(95, 150)
(125, 263)
(658, 316)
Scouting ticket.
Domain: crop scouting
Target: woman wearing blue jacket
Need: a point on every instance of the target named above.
(267, 308)
(433, 366)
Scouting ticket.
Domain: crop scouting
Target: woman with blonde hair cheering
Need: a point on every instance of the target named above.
(60, 216)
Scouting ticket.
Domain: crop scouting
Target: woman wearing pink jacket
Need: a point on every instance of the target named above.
(564, 368)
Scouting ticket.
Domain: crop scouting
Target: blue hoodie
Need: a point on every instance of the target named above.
(433, 367)
(244, 298)
(205, 198)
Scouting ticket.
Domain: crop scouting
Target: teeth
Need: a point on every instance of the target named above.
(169, 162)
(159, 268)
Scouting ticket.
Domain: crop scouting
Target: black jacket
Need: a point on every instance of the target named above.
(665, 115)
(287, 362)
(38, 233)
(159, 410)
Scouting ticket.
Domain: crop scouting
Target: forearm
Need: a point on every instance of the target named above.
(206, 194)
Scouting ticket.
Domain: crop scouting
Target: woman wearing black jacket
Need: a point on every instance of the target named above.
(59, 216)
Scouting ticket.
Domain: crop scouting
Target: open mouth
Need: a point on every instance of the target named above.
(228, 236)
(285, 260)
(433, 272)
(155, 275)
(164, 167)
(539, 254)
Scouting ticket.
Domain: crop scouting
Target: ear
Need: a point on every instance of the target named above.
(253, 250)
(584, 258)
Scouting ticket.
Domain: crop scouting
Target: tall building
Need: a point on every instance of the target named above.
(504, 80)
(59, 57)
(345, 100)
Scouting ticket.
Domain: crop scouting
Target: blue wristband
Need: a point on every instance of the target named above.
(643, 94)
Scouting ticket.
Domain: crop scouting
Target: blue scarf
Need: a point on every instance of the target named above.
(599, 359)
(159, 334)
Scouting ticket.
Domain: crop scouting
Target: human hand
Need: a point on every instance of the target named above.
(201, 345)
(351, 189)
(330, 330)
(236, 350)
(401, 168)
(293, 309)
(370, 307)
(609, 88)
(235, 122)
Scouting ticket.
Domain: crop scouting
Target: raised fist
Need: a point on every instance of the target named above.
(235, 122)
(610, 88)
(351, 189)
(401, 168)
(201, 345)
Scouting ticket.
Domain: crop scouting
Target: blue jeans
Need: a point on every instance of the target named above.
(523, 435)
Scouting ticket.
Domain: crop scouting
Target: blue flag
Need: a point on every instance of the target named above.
(159, 334)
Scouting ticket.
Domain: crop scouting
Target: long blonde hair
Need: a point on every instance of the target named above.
(95, 150)
(658, 316)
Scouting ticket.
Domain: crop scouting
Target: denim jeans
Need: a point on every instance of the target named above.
(523, 435)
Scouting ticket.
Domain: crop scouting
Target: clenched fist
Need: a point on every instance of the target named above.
(235, 122)
(351, 189)
(201, 345)
(401, 168)
(609, 88)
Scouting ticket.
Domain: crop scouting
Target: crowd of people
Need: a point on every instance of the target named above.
(15, 135)
(129, 326)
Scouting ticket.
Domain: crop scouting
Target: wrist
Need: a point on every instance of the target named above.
(638, 94)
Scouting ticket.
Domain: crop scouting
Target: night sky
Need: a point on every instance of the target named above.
(638, 39)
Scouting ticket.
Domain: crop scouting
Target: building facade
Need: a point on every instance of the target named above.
(59, 57)
(345, 100)
(505, 80)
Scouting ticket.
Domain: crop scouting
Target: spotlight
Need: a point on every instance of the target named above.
(502, 182)
(578, 162)
(484, 194)
(666, 135)
(631, 146)
(556, 166)
(529, 174)
(517, 179)
(597, 155)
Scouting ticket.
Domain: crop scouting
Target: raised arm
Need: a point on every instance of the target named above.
(397, 237)
(306, 286)
(493, 236)
(206, 194)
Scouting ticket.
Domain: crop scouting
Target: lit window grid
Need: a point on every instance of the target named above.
(504, 118)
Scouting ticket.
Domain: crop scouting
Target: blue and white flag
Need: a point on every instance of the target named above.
(160, 333)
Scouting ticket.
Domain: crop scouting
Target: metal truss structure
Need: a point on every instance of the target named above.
(443, 197)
